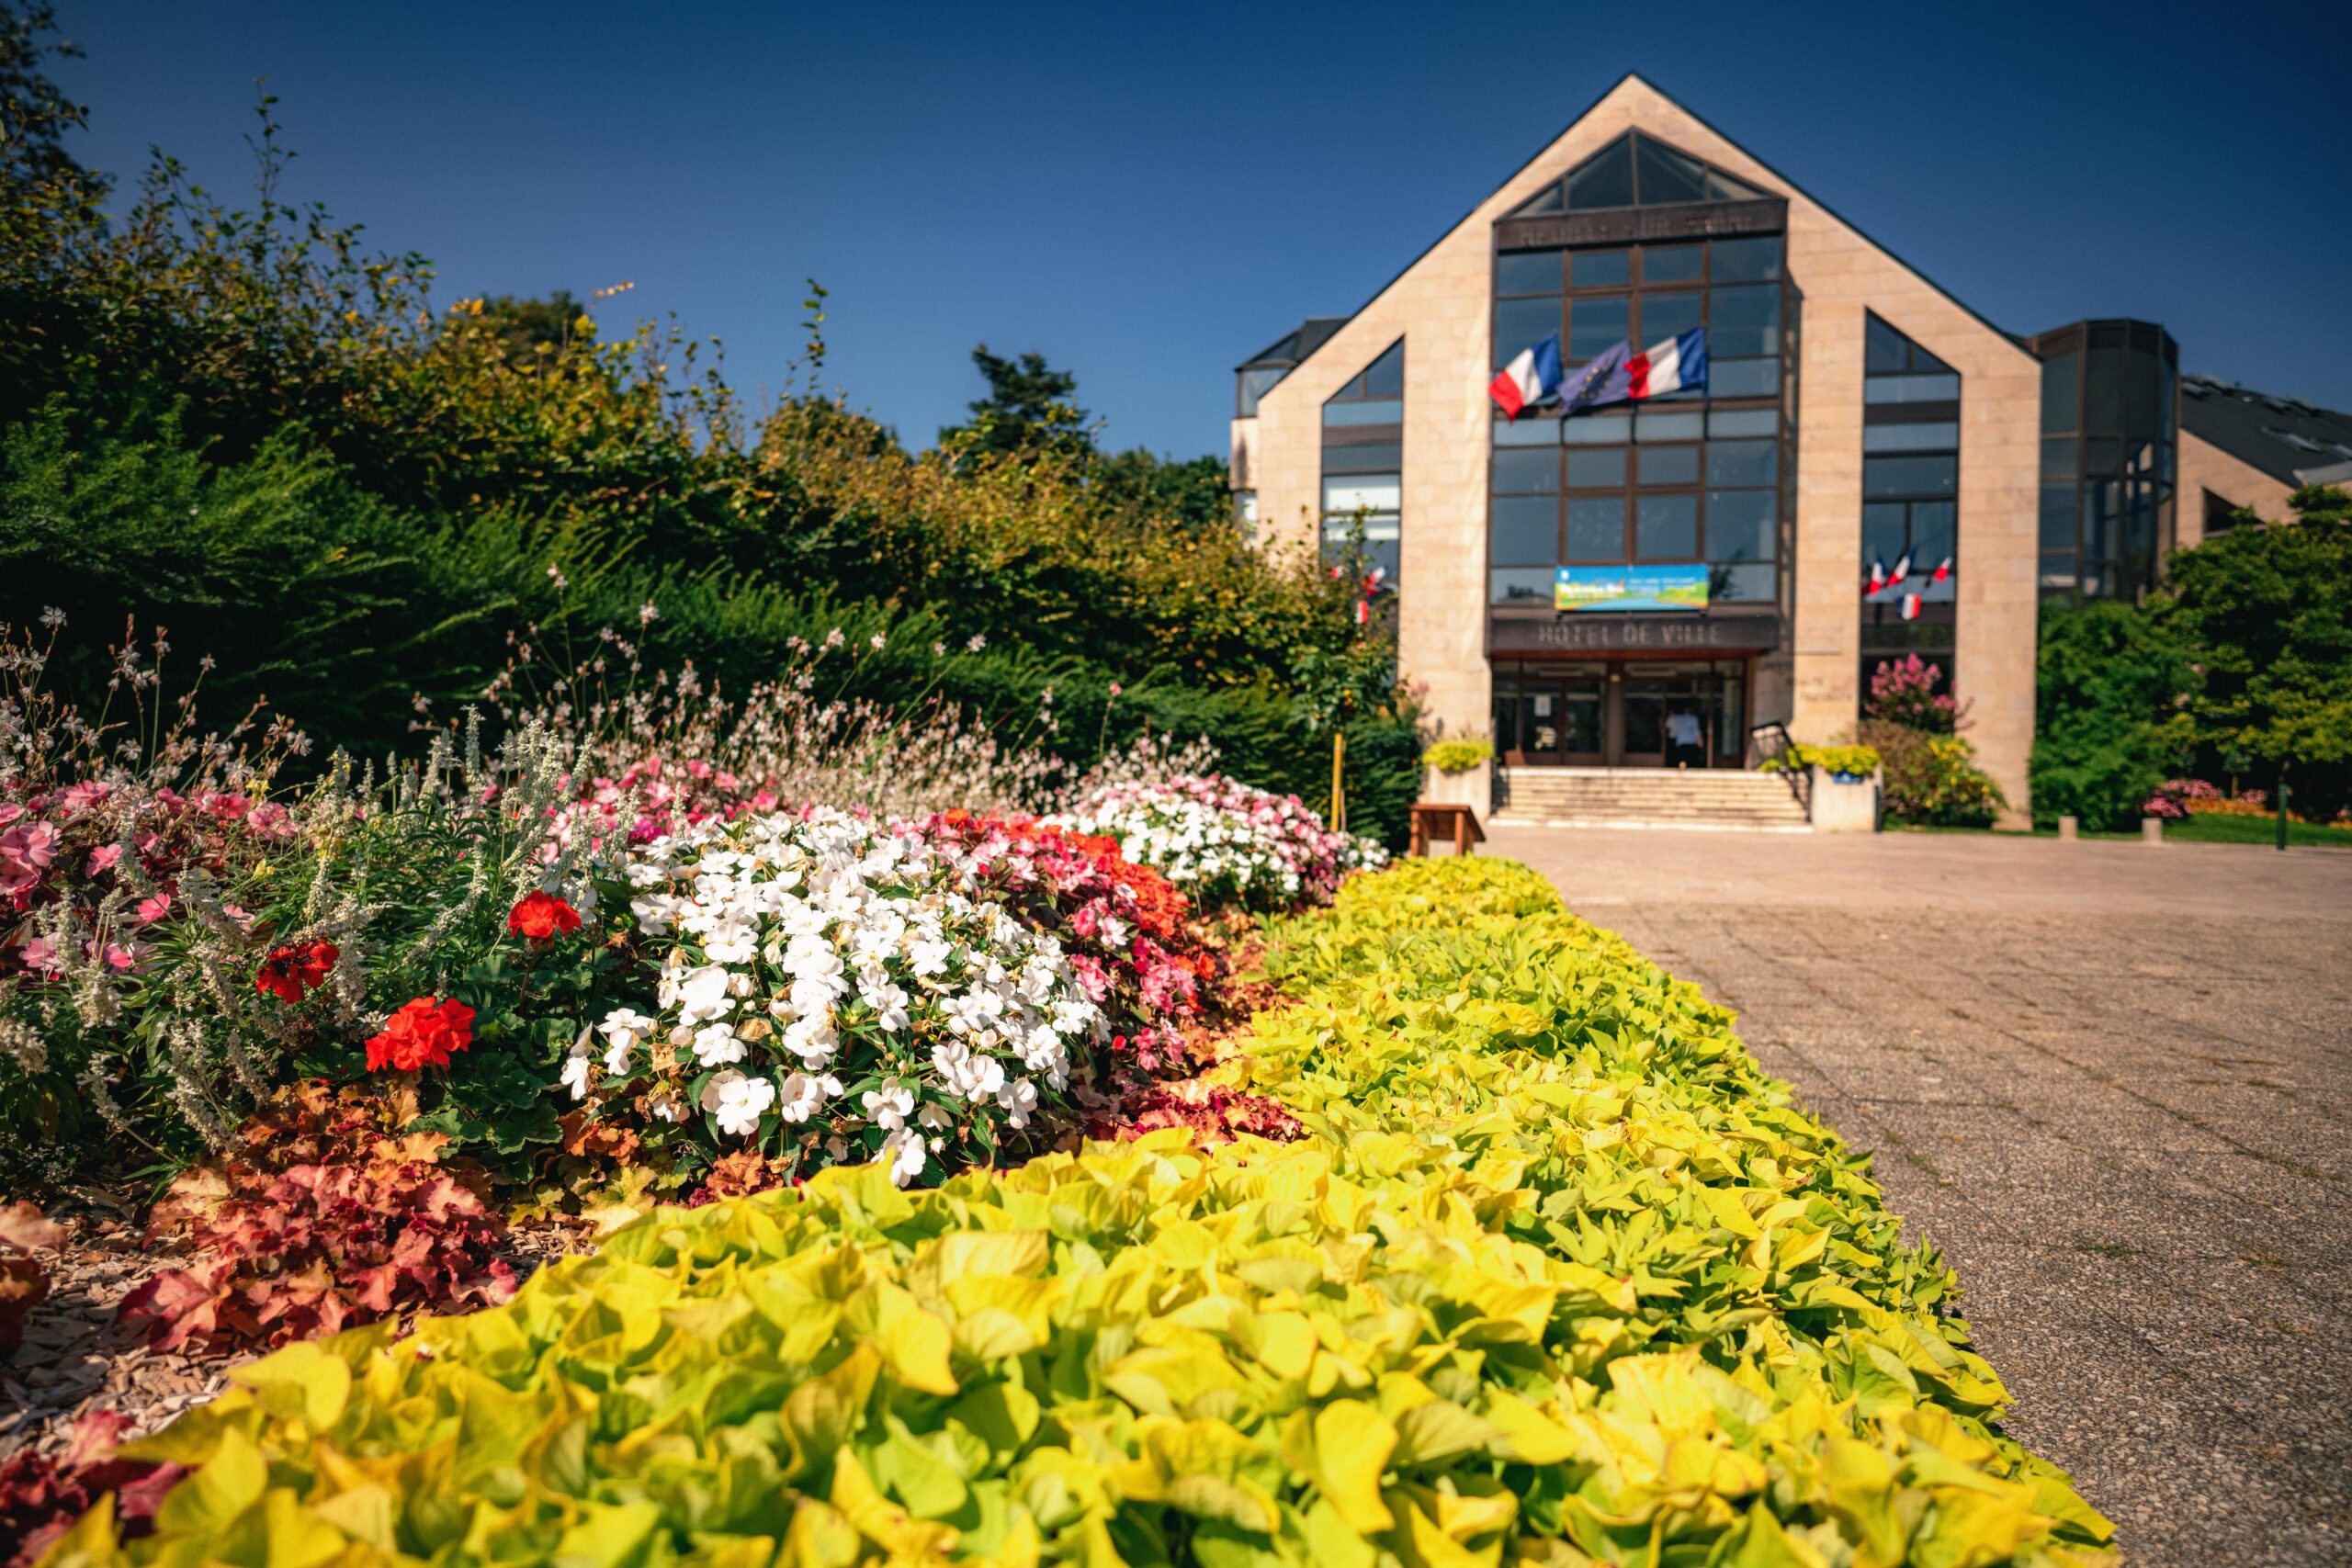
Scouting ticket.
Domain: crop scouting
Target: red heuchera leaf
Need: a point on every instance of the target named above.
(375, 1227)
(42, 1494)
(1217, 1114)
(422, 1034)
(543, 917)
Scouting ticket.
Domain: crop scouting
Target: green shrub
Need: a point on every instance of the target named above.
(1458, 756)
(1931, 780)
(1558, 1275)
(2111, 719)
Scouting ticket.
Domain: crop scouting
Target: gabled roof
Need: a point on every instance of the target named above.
(1636, 76)
(1295, 344)
(2287, 438)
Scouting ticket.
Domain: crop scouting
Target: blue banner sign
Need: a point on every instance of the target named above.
(1583, 588)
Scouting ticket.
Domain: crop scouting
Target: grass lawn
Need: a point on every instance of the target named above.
(2209, 828)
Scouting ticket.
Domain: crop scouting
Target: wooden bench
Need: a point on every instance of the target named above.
(1431, 820)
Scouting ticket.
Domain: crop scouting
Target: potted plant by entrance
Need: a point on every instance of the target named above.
(1845, 785)
(1455, 773)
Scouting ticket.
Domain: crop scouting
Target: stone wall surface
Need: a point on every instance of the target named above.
(2205, 467)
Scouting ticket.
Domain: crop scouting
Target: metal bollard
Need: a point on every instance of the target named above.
(2151, 830)
(2066, 829)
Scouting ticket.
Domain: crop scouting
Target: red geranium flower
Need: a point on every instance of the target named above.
(295, 968)
(543, 917)
(422, 1034)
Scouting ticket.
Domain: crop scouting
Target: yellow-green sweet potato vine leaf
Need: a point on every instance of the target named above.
(1558, 1277)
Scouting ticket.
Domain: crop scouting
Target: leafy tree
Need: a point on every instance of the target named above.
(2112, 685)
(533, 332)
(1194, 492)
(2267, 613)
(1030, 411)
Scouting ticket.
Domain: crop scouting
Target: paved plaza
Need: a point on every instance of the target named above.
(2109, 1081)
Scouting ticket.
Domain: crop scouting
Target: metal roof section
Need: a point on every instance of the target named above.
(2292, 441)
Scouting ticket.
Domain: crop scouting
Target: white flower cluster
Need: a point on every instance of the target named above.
(1222, 841)
(809, 952)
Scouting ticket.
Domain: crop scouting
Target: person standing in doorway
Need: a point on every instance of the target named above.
(1684, 738)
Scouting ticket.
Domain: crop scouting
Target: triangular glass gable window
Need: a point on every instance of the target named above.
(1383, 378)
(1636, 170)
(1886, 352)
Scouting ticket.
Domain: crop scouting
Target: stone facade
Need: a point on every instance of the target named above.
(2206, 469)
(1441, 307)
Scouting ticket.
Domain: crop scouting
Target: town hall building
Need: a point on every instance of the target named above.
(1642, 584)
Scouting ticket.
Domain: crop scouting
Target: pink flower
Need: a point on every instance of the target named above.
(103, 859)
(38, 954)
(26, 849)
(150, 911)
(83, 795)
(126, 957)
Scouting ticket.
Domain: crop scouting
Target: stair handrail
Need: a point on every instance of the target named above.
(1770, 741)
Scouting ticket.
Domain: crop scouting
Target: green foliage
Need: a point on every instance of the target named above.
(1931, 779)
(2267, 615)
(1030, 411)
(1457, 756)
(1559, 1274)
(1191, 492)
(2110, 720)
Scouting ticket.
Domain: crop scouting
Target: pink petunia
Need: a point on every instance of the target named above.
(103, 859)
(150, 911)
(38, 954)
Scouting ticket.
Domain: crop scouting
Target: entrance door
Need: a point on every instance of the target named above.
(1551, 718)
(1641, 727)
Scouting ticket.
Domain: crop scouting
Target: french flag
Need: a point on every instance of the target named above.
(1902, 571)
(1878, 577)
(1910, 607)
(1529, 378)
(1942, 572)
(1669, 366)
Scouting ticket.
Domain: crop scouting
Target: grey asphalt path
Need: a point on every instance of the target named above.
(2113, 1083)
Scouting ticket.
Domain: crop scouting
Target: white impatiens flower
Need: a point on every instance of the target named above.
(739, 1102)
(575, 1071)
(889, 1106)
(624, 1030)
(802, 949)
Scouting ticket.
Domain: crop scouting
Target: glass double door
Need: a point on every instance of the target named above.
(1619, 715)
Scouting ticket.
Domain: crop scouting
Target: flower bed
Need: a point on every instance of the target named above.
(1223, 842)
(1556, 1274)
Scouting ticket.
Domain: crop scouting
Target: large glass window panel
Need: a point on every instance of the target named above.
(1526, 530)
(1603, 467)
(2142, 376)
(1666, 527)
(1751, 583)
(2058, 517)
(1886, 525)
(1933, 530)
(1669, 465)
(1910, 475)
(1255, 384)
(2103, 389)
(1743, 462)
(1381, 411)
(1521, 585)
(2061, 381)
(1666, 176)
(2102, 518)
(1738, 261)
(1597, 322)
(1911, 388)
(1529, 272)
(1744, 422)
(1597, 429)
(1741, 377)
(1547, 200)
(2102, 454)
(1533, 430)
(1931, 437)
(1744, 320)
(1740, 524)
(1599, 269)
(1521, 323)
(1596, 529)
(1886, 352)
(1527, 470)
(1352, 492)
(2058, 456)
(1385, 378)
(1605, 181)
(1652, 425)
(1378, 457)
(2057, 571)
(1671, 264)
(1669, 315)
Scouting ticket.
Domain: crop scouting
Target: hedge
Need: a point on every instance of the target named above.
(1557, 1274)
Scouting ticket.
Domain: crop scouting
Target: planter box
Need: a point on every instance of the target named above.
(1844, 802)
(1474, 789)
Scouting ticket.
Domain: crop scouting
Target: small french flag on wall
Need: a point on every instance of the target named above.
(1944, 571)
(1878, 577)
(1529, 378)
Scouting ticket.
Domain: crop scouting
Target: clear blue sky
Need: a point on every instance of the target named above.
(1148, 194)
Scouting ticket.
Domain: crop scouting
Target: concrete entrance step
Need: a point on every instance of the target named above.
(1647, 797)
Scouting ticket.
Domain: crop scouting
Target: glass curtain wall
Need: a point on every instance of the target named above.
(2110, 400)
(1691, 476)
(1363, 464)
(1910, 497)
